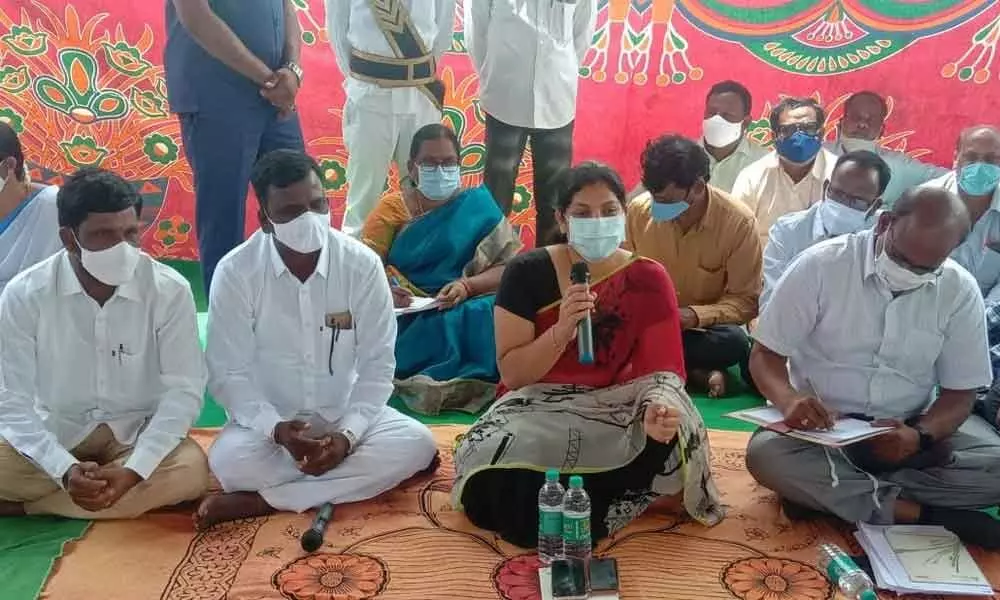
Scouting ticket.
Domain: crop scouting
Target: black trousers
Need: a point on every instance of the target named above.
(718, 348)
(551, 151)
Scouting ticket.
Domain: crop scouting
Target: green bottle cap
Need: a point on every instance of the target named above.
(576, 481)
(552, 475)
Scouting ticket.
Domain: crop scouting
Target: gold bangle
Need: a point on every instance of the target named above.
(468, 288)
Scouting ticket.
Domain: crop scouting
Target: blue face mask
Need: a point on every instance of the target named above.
(596, 238)
(979, 179)
(438, 184)
(663, 212)
(799, 148)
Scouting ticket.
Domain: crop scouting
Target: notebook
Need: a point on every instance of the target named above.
(921, 559)
(844, 433)
(417, 304)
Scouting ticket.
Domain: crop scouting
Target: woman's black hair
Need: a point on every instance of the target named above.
(434, 131)
(10, 146)
(583, 175)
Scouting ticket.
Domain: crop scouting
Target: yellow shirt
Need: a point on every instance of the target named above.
(715, 265)
(770, 193)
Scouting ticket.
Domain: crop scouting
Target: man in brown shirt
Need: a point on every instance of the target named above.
(709, 245)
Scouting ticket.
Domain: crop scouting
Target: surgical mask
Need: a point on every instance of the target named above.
(852, 144)
(112, 266)
(661, 211)
(438, 183)
(305, 234)
(897, 277)
(719, 133)
(839, 219)
(799, 148)
(596, 238)
(978, 178)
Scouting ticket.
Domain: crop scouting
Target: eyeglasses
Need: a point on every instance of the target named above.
(811, 128)
(849, 200)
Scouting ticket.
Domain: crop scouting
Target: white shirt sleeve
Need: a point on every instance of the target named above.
(182, 379)
(584, 22)
(964, 362)
(446, 27)
(743, 191)
(338, 21)
(20, 424)
(776, 259)
(477, 23)
(230, 352)
(375, 339)
(793, 309)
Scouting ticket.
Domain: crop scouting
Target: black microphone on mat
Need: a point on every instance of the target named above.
(312, 539)
(580, 274)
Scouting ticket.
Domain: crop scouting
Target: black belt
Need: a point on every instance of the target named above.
(398, 72)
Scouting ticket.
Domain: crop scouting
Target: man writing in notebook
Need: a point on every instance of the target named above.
(869, 325)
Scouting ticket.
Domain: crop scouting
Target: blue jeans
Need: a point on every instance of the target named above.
(222, 146)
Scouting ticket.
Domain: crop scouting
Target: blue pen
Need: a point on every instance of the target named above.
(394, 281)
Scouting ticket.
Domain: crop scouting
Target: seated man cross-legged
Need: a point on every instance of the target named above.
(440, 240)
(300, 353)
(101, 373)
(870, 324)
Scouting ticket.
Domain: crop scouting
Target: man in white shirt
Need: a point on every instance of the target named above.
(791, 177)
(301, 334)
(728, 112)
(870, 325)
(975, 179)
(388, 52)
(29, 225)
(850, 200)
(101, 373)
(527, 54)
(861, 127)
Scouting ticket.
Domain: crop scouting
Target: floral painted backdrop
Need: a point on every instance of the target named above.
(82, 81)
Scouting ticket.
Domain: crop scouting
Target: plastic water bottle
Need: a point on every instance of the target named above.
(550, 520)
(576, 521)
(852, 582)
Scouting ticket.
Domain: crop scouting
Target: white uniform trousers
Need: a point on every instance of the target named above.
(394, 448)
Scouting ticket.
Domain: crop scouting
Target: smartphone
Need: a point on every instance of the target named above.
(604, 575)
(569, 580)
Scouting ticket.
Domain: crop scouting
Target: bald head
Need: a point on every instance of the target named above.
(924, 227)
(980, 143)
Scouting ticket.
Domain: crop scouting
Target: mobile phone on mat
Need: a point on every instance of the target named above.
(569, 580)
(604, 577)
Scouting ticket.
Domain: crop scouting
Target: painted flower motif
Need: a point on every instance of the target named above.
(10, 117)
(775, 579)
(334, 174)
(332, 577)
(160, 149)
(25, 41)
(517, 578)
(126, 59)
(82, 151)
(148, 103)
(14, 79)
(172, 231)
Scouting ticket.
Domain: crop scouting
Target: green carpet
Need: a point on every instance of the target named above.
(29, 547)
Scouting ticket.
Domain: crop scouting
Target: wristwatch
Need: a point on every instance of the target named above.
(926, 439)
(295, 69)
(352, 440)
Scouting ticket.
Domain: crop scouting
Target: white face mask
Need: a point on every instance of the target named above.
(851, 144)
(305, 234)
(719, 133)
(839, 219)
(897, 277)
(113, 266)
(596, 238)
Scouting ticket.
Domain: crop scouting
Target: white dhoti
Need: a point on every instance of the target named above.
(378, 128)
(394, 448)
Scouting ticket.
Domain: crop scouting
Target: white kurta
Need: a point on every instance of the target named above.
(379, 123)
(272, 357)
(32, 237)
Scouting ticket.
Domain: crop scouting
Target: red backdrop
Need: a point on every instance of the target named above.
(83, 83)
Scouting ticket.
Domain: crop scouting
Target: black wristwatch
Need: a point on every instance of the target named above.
(295, 69)
(926, 439)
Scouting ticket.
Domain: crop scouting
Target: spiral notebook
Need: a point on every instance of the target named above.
(844, 432)
(417, 304)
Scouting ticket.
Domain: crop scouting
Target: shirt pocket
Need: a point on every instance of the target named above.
(131, 368)
(709, 283)
(562, 17)
(341, 352)
(918, 352)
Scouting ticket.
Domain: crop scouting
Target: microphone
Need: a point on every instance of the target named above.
(312, 539)
(580, 274)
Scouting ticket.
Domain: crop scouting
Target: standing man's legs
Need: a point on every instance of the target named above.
(282, 134)
(370, 134)
(552, 153)
(504, 149)
(221, 147)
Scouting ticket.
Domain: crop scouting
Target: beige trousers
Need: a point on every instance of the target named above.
(182, 476)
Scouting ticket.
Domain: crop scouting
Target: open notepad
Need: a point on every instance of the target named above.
(921, 559)
(844, 433)
(417, 304)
